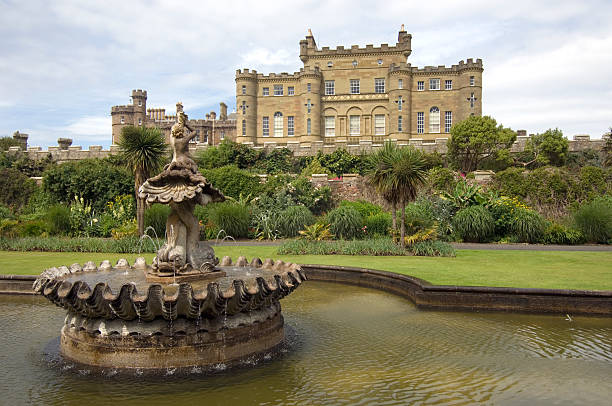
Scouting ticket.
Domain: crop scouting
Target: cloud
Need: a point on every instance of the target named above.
(90, 127)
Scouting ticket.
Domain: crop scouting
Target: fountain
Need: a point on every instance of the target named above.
(187, 308)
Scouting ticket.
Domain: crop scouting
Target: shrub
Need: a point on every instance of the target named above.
(156, 217)
(232, 181)
(505, 211)
(442, 180)
(16, 189)
(556, 233)
(293, 219)
(378, 224)
(97, 181)
(363, 207)
(528, 226)
(33, 228)
(265, 225)
(232, 218)
(374, 247)
(419, 216)
(314, 167)
(5, 213)
(345, 222)
(474, 224)
(432, 249)
(79, 244)
(127, 229)
(58, 217)
(594, 220)
(316, 232)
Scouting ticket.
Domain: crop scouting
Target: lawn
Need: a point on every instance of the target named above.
(525, 269)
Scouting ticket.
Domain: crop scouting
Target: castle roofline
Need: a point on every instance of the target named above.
(469, 64)
(252, 74)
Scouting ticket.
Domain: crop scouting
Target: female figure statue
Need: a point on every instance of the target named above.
(181, 186)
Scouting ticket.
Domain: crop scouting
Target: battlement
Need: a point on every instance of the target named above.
(139, 93)
(122, 109)
(469, 64)
(356, 50)
(252, 74)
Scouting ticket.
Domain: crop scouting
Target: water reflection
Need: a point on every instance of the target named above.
(352, 346)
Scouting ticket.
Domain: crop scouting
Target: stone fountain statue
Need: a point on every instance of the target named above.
(181, 186)
(219, 312)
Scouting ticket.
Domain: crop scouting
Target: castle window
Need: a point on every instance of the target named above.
(354, 64)
(330, 87)
(472, 81)
(308, 106)
(122, 120)
(330, 126)
(448, 85)
(400, 83)
(222, 135)
(308, 127)
(308, 87)
(278, 124)
(278, 90)
(140, 102)
(354, 126)
(380, 61)
(448, 121)
(379, 124)
(243, 128)
(420, 85)
(266, 91)
(140, 121)
(420, 122)
(266, 126)
(434, 84)
(399, 124)
(379, 85)
(290, 126)
(434, 120)
(399, 103)
(354, 86)
(330, 64)
(290, 90)
(243, 89)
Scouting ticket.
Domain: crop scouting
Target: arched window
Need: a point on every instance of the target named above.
(278, 124)
(434, 120)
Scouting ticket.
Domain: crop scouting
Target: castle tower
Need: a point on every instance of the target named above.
(246, 106)
(310, 99)
(139, 101)
(399, 83)
(131, 114)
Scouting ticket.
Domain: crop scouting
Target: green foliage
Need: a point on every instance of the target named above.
(549, 147)
(6, 142)
(441, 180)
(228, 153)
(282, 191)
(83, 222)
(265, 224)
(465, 194)
(33, 228)
(276, 161)
(373, 247)
(528, 226)
(378, 225)
(128, 245)
(293, 219)
(341, 161)
(142, 150)
(156, 217)
(419, 216)
(316, 232)
(232, 218)
(96, 180)
(556, 233)
(58, 217)
(364, 208)
(5, 213)
(585, 157)
(432, 249)
(505, 211)
(607, 149)
(232, 181)
(16, 189)
(314, 167)
(474, 224)
(122, 208)
(594, 220)
(345, 222)
(477, 138)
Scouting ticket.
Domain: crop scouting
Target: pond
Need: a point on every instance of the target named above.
(349, 345)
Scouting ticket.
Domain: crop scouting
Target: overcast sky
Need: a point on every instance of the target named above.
(64, 63)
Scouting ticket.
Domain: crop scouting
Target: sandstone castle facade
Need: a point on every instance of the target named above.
(356, 95)
(209, 131)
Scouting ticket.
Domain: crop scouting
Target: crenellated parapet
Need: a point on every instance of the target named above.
(468, 65)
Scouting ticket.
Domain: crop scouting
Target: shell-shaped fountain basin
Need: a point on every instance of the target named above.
(123, 292)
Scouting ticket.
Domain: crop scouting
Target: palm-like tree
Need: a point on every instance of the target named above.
(406, 174)
(380, 166)
(143, 151)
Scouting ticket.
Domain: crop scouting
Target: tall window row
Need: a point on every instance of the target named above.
(434, 121)
(355, 125)
(277, 125)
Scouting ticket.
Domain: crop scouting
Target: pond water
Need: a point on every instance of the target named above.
(351, 346)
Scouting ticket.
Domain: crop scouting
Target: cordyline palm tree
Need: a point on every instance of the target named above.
(406, 174)
(380, 164)
(143, 151)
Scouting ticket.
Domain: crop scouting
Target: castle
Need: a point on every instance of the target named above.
(354, 96)
(209, 131)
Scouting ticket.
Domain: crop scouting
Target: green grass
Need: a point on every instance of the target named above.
(525, 269)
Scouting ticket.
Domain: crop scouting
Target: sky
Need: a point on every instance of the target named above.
(64, 63)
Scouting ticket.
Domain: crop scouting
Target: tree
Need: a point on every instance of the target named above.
(6, 142)
(379, 168)
(143, 150)
(607, 150)
(406, 175)
(549, 147)
(16, 188)
(477, 138)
